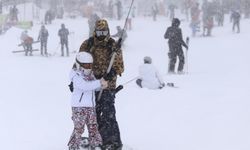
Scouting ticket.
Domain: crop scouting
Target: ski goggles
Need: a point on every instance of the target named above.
(101, 33)
(86, 65)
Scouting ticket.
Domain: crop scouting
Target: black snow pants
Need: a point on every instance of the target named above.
(106, 119)
(174, 52)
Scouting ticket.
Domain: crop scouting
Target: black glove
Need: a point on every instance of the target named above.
(162, 86)
(71, 87)
(185, 45)
(109, 76)
(119, 43)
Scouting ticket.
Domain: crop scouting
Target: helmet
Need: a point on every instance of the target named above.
(84, 57)
(101, 25)
(147, 60)
(176, 22)
(63, 25)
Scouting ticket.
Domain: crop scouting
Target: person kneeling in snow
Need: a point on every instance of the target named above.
(83, 86)
(149, 76)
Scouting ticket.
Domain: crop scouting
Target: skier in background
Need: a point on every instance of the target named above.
(175, 43)
(195, 18)
(155, 11)
(119, 9)
(91, 21)
(121, 34)
(14, 14)
(149, 77)
(43, 38)
(83, 102)
(63, 33)
(235, 18)
(26, 41)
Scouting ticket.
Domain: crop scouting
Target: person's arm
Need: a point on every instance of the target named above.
(181, 39)
(81, 84)
(118, 62)
(166, 35)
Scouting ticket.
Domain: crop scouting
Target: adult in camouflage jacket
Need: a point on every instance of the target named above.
(101, 46)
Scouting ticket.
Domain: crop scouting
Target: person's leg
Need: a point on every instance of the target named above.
(109, 130)
(172, 61)
(41, 48)
(62, 46)
(45, 48)
(30, 49)
(238, 27)
(181, 62)
(234, 25)
(95, 139)
(67, 47)
(78, 117)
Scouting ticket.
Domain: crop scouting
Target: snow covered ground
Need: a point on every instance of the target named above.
(209, 111)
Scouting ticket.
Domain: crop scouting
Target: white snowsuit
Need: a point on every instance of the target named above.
(83, 109)
(150, 76)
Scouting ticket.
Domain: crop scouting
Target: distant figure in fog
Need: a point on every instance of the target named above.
(235, 18)
(43, 38)
(26, 42)
(121, 34)
(63, 33)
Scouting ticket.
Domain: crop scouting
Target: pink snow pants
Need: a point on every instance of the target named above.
(80, 117)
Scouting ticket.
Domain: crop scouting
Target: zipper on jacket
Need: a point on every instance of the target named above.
(81, 98)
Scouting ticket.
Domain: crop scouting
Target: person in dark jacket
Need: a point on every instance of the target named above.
(235, 17)
(63, 33)
(48, 17)
(175, 43)
(43, 38)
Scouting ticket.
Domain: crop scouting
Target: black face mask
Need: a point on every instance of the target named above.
(101, 38)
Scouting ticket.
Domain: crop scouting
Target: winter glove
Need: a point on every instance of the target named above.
(109, 76)
(185, 45)
(162, 86)
(104, 83)
(119, 43)
(71, 87)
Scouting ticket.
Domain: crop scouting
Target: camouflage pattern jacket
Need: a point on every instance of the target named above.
(102, 52)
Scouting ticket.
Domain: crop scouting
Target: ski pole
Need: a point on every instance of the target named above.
(130, 81)
(115, 51)
(120, 87)
(187, 42)
(56, 49)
